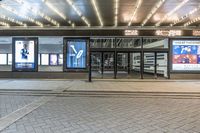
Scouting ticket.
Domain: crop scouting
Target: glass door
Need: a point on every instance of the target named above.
(155, 65)
(108, 65)
(161, 65)
(123, 65)
(149, 71)
(135, 65)
(96, 64)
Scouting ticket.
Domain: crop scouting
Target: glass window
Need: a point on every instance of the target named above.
(53, 59)
(3, 59)
(128, 43)
(39, 59)
(102, 43)
(51, 50)
(44, 59)
(155, 43)
(9, 59)
(60, 59)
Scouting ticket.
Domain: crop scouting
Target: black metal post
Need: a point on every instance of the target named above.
(90, 64)
(155, 64)
(115, 64)
(128, 63)
(115, 58)
(102, 64)
(142, 60)
(169, 59)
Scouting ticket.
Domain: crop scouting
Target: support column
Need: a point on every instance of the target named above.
(155, 65)
(142, 60)
(102, 65)
(90, 65)
(128, 63)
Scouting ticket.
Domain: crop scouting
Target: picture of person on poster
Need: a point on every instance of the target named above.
(24, 52)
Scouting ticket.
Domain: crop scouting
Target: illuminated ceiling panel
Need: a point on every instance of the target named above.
(100, 13)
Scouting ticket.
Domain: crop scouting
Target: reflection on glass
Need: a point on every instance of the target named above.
(135, 67)
(128, 43)
(44, 59)
(155, 43)
(161, 65)
(149, 65)
(3, 59)
(39, 59)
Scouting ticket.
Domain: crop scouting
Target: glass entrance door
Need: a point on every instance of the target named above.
(128, 65)
(155, 65)
(108, 65)
(135, 65)
(161, 65)
(123, 65)
(96, 64)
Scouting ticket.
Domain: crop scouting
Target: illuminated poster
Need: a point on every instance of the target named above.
(53, 59)
(186, 55)
(76, 54)
(24, 54)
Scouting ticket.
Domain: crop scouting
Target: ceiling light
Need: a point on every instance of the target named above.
(4, 24)
(4, 6)
(70, 2)
(139, 3)
(185, 16)
(192, 21)
(153, 11)
(41, 14)
(97, 12)
(116, 12)
(172, 11)
(13, 20)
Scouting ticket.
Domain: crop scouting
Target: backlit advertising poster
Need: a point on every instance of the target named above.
(24, 54)
(76, 54)
(186, 55)
(53, 59)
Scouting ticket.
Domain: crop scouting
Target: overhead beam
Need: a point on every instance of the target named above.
(102, 28)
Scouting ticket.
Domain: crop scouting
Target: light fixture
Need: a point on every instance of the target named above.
(54, 9)
(94, 3)
(171, 12)
(37, 12)
(71, 3)
(139, 3)
(153, 11)
(4, 24)
(13, 20)
(116, 12)
(192, 21)
(185, 16)
(4, 6)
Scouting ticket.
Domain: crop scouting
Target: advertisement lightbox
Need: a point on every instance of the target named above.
(25, 54)
(186, 55)
(76, 54)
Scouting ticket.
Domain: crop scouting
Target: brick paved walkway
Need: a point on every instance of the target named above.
(112, 115)
(9, 104)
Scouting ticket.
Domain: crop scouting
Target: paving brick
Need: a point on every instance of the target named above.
(112, 115)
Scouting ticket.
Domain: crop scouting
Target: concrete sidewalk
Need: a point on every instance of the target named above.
(103, 85)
